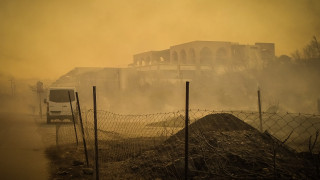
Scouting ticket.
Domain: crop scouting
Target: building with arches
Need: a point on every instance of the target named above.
(208, 53)
(187, 61)
(184, 61)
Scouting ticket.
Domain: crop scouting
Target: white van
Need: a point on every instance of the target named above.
(58, 104)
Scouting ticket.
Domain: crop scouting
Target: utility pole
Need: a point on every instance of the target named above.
(12, 87)
(39, 91)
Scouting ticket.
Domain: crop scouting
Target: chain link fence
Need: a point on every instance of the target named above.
(222, 144)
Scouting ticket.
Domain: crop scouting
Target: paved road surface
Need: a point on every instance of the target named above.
(22, 148)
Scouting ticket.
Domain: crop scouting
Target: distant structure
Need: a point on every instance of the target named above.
(203, 54)
(223, 74)
(184, 61)
(178, 63)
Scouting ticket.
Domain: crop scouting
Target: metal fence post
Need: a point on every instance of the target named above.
(186, 158)
(40, 106)
(74, 123)
(95, 132)
(57, 134)
(83, 137)
(259, 105)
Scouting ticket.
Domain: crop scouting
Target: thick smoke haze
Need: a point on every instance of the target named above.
(45, 39)
(235, 47)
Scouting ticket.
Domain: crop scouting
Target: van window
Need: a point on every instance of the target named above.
(61, 95)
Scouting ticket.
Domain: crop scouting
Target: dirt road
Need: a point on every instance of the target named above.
(21, 148)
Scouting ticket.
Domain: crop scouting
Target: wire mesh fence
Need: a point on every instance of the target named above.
(222, 144)
(65, 134)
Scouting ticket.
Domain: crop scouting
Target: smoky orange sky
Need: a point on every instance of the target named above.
(47, 38)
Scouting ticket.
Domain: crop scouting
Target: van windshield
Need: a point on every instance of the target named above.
(61, 95)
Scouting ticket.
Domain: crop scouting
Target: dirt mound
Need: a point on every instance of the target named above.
(215, 122)
(224, 147)
(220, 122)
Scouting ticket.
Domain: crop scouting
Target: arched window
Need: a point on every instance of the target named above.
(192, 57)
(205, 56)
(141, 61)
(183, 57)
(135, 62)
(174, 57)
(162, 60)
(221, 56)
(148, 61)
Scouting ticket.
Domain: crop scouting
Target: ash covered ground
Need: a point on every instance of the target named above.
(220, 146)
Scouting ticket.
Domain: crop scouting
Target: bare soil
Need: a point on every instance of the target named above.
(67, 163)
(220, 146)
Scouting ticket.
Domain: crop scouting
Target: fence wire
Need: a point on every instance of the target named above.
(222, 144)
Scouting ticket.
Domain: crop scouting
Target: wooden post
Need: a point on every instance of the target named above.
(39, 91)
(83, 137)
(74, 123)
(57, 134)
(95, 132)
(186, 158)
